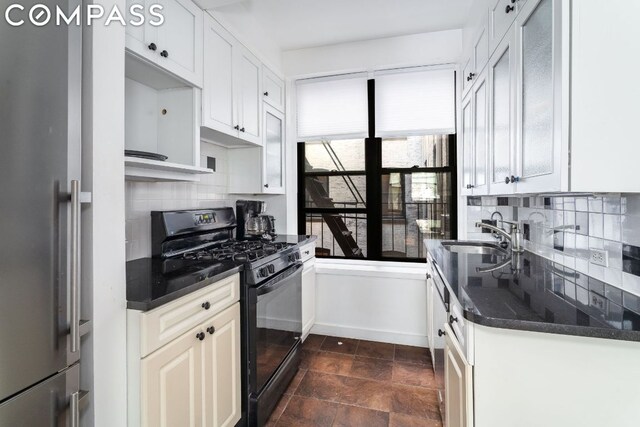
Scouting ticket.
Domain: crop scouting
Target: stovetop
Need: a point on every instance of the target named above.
(238, 251)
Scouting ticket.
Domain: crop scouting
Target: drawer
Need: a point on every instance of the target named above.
(500, 20)
(307, 251)
(163, 324)
(462, 328)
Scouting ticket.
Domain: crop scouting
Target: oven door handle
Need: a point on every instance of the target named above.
(278, 281)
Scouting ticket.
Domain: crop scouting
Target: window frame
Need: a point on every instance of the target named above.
(373, 196)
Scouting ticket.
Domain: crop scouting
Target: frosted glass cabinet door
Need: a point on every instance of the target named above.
(467, 147)
(502, 117)
(539, 87)
(480, 135)
(273, 151)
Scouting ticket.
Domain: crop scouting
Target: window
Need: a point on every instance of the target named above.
(377, 198)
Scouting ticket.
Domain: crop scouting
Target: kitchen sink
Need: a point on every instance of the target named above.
(473, 247)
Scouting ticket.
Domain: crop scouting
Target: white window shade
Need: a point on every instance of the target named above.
(332, 107)
(415, 102)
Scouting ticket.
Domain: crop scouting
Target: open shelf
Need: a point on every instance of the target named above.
(154, 170)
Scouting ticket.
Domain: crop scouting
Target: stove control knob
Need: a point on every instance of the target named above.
(271, 268)
(263, 272)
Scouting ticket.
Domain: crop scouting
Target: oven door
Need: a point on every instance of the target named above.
(278, 322)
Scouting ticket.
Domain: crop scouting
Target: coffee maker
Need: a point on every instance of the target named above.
(253, 223)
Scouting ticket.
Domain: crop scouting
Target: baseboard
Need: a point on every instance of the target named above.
(369, 334)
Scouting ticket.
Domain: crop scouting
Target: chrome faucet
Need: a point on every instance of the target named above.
(514, 236)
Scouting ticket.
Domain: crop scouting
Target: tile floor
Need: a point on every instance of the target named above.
(352, 383)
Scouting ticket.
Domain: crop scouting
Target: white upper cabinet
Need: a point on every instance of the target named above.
(502, 116)
(467, 147)
(475, 140)
(502, 13)
(231, 97)
(176, 45)
(477, 60)
(480, 135)
(250, 98)
(219, 111)
(539, 97)
(273, 89)
(274, 153)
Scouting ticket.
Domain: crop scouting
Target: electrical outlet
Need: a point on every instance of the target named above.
(599, 257)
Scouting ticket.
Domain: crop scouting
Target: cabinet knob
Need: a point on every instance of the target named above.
(153, 47)
(211, 330)
(206, 305)
(241, 129)
(164, 54)
(509, 9)
(306, 252)
(236, 127)
(507, 180)
(266, 186)
(514, 179)
(452, 319)
(471, 76)
(469, 186)
(200, 335)
(266, 94)
(428, 276)
(441, 332)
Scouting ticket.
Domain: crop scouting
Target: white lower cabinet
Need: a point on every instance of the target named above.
(172, 380)
(194, 379)
(205, 358)
(458, 374)
(308, 297)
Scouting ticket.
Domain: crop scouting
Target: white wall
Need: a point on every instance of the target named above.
(440, 47)
(104, 295)
(379, 301)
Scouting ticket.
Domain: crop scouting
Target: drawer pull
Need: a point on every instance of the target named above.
(206, 305)
(509, 9)
(452, 319)
(306, 252)
(200, 335)
(441, 332)
(211, 330)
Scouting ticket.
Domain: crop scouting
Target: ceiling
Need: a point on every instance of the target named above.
(296, 24)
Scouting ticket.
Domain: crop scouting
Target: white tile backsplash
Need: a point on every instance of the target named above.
(144, 197)
(606, 222)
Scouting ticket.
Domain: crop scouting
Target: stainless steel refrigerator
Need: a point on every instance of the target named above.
(40, 154)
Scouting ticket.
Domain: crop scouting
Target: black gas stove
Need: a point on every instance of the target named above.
(196, 247)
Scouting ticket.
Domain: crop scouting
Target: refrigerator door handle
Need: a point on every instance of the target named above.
(77, 401)
(75, 266)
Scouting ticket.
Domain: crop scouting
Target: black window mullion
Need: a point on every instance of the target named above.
(373, 164)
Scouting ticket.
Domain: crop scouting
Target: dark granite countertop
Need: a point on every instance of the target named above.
(533, 293)
(148, 286)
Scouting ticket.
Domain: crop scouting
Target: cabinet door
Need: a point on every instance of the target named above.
(467, 146)
(480, 135)
(249, 71)
(539, 96)
(308, 297)
(219, 108)
(458, 376)
(222, 369)
(481, 50)
(467, 75)
(273, 89)
(172, 380)
(273, 151)
(501, 16)
(142, 39)
(502, 106)
(180, 40)
(430, 328)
